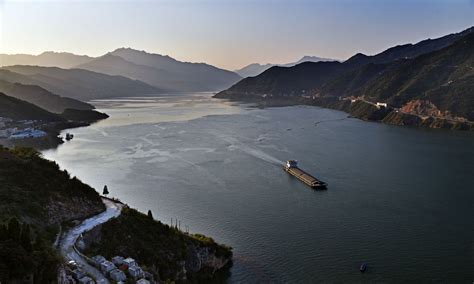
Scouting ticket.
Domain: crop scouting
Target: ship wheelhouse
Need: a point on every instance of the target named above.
(292, 164)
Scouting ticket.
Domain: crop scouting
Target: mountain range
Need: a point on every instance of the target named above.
(164, 73)
(42, 98)
(20, 110)
(47, 59)
(255, 69)
(78, 84)
(436, 70)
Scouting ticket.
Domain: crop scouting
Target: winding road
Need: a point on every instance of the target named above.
(113, 209)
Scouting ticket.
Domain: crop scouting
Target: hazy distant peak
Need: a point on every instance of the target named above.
(50, 52)
(313, 59)
(130, 50)
(162, 71)
(47, 58)
(255, 69)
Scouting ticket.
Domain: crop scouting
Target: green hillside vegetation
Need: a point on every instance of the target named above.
(35, 198)
(351, 81)
(439, 71)
(156, 246)
(41, 97)
(332, 78)
(25, 254)
(444, 77)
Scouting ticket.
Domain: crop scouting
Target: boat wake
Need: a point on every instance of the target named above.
(259, 154)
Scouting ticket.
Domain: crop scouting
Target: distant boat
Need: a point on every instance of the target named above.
(363, 267)
(69, 136)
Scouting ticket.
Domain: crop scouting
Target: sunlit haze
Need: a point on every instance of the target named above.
(228, 34)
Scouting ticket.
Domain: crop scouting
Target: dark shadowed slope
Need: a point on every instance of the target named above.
(304, 78)
(48, 59)
(443, 76)
(78, 84)
(20, 110)
(408, 50)
(41, 97)
(162, 71)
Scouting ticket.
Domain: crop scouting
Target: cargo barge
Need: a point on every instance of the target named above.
(292, 168)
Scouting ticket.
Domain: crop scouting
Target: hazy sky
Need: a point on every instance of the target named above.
(225, 33)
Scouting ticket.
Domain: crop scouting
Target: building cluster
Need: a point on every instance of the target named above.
(11, 129)
(80, 276)
(119, 269)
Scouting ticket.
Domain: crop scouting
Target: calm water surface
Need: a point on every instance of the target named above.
(400, 199)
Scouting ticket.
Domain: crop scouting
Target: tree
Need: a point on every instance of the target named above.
(25, 237)
(39, 243)
(105, 191)
(150, 215)
(14, 229)
(3, 232)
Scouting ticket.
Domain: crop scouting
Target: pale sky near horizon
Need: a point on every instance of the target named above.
(227, 33)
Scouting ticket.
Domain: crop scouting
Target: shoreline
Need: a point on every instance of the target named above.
(359, 109)
(52, 140)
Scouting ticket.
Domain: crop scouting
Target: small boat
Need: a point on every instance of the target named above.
(69, 136)
(363, 267)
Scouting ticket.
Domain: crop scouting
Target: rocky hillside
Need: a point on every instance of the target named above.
(444, 77)
(166, 252)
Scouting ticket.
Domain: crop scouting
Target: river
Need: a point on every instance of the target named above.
(400, 199)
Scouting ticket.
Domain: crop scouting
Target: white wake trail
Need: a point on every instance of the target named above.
(236, 144)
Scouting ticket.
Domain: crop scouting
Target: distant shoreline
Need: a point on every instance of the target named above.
(358, 109)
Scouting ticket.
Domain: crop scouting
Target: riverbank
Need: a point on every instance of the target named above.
(221, 175)
(50, 137)
(358, 108)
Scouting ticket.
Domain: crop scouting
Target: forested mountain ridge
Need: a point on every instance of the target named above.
(442, 76)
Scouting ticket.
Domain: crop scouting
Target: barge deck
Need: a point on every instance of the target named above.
(292, 168)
